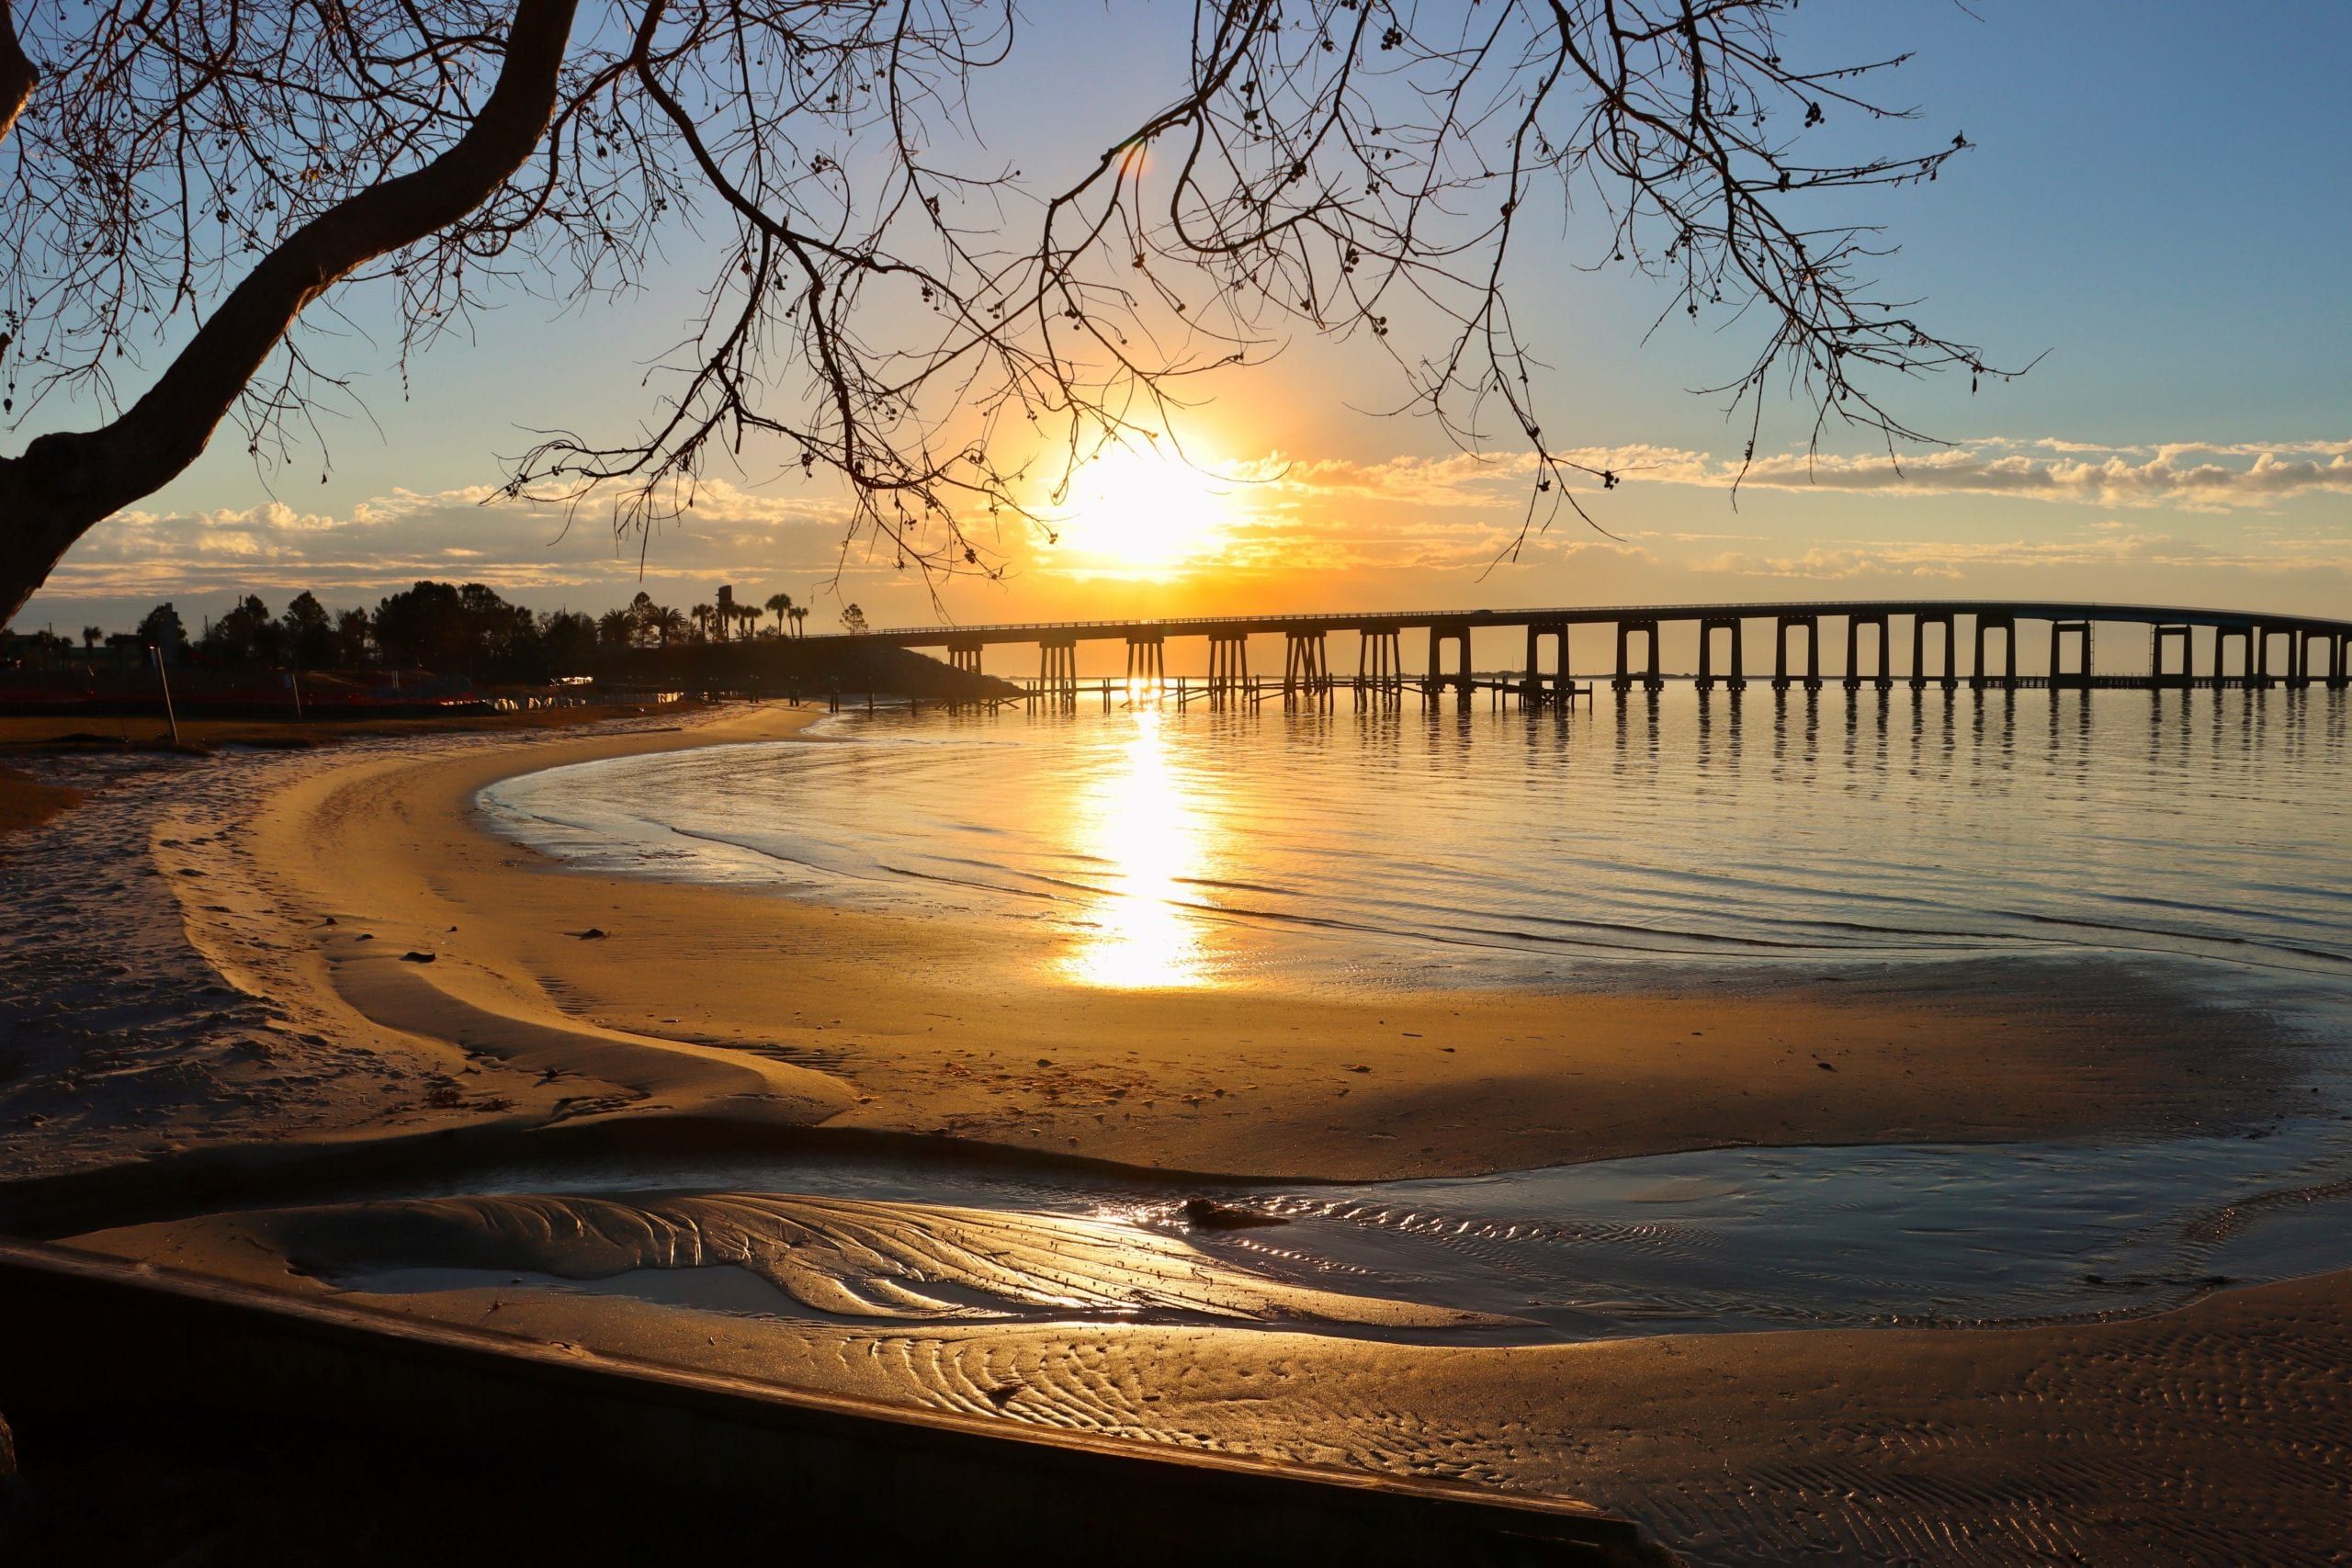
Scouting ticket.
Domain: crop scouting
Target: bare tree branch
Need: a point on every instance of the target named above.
(946, 340)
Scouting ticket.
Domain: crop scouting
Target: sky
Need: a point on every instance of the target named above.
(2155, 205)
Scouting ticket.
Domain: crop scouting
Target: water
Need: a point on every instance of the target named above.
(1708, 1241)
(1157, 847)
(2202, 833)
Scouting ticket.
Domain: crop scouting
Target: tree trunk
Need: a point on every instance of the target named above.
(66, 483)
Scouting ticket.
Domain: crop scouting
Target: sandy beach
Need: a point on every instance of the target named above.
(387, 970)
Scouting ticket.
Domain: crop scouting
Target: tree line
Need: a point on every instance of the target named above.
(460, 629)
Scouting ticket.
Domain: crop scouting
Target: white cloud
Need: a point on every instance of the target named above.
(2184, 475)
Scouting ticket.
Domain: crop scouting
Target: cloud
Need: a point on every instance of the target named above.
(2108, 544)
(473, 532)
(2194, 476)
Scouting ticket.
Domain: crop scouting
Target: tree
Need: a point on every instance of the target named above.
(309, 633)
(779, 605)
(567, 640)
(245, 635)
(799, 612)
(92, 636)
(160, 628)
(854, 619)
(352, 638)
(701, 614)
(188, 179)
(459, 630)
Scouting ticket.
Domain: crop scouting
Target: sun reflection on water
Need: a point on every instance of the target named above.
(1134, 822)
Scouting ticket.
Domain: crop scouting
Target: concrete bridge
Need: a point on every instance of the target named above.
(2240, 649)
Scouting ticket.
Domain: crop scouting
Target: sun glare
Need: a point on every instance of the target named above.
(1142, 512)
(1134, 820)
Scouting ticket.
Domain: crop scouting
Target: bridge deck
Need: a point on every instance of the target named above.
(1588, 615)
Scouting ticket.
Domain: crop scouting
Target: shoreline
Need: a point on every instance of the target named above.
(705, 999)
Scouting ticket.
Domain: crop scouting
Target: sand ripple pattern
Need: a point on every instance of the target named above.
(842, 1256)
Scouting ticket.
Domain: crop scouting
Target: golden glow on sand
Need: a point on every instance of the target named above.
(1136, 823)
(1141, 512)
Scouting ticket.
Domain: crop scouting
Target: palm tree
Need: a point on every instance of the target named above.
(669, 624)
(779, 605)
(702, 620)
(748, 617)
(90, 635)
(799, 613)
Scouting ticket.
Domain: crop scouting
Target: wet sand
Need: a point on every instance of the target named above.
(2216, 1434)
(407, 971)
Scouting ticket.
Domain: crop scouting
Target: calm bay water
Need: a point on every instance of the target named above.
(2204, 833)
(1149, 847)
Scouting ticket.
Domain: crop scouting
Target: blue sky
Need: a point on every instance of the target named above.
(2157, 199)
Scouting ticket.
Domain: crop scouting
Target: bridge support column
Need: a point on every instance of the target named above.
(1876, 620)
(1438, 679)
(2243, 637)
(1532, 690)
(963, 656)
(1380, 663)
(2008, 627)
(1058, 669)
(2159, 637)
(2300, 645)
(1229, 666)
(2338, 645)
(1811, 626)
(1650, 680)
(1708, 627)
(1307, 667)
(2267, 673)
(2060, 676)
(1919, 625)
(1147, 665)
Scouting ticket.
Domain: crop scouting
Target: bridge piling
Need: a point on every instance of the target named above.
(1058, 669)
(1147, 664)
(2245, 638)
(1379, 665)
(2008, 627)
(1306, 666)
(1442, 634)
(1651, 679)
(1876, 621)
(1228, 667)
(1534, 682)
(1708, 627)
(1919, 625)
(1811, 626)
(2060, 678)
(2160, 636)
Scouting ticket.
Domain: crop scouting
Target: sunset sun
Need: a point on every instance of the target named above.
(1140, 510)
